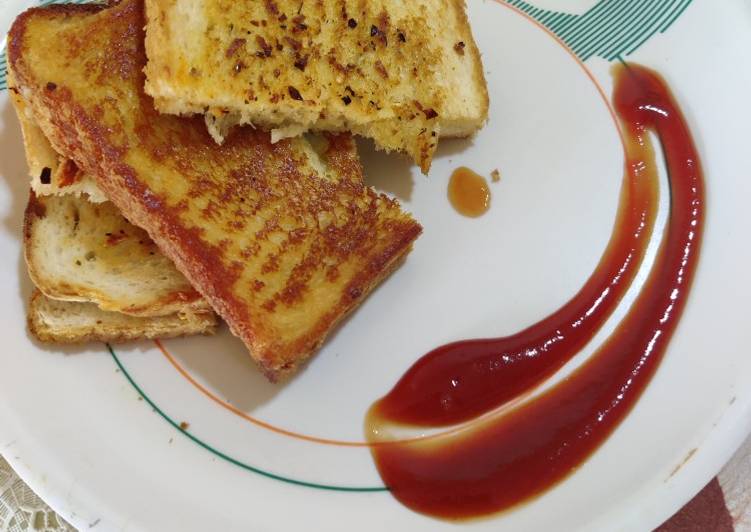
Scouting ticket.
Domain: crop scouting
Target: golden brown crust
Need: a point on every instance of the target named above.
(470, 46)
(62, 322)
(280, 251)
(49, 175)
(384, 70)
(341, 158)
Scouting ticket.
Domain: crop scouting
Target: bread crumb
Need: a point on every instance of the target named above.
(495, 175)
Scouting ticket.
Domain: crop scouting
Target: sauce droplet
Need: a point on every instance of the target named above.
(468, 192)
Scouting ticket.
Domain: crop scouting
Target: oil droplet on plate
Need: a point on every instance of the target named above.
(468, 192)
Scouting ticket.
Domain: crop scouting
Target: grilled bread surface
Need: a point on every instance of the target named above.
(78, 247)
(282, 239)
(401, 73)
(66, 322)
(49, 172)
(80, 251)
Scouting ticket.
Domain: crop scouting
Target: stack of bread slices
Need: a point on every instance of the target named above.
(143, 222)
(97, 276)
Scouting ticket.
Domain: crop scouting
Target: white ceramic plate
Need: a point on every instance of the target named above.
(98, 434)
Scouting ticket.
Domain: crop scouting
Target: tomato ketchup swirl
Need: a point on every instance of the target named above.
(499, 461)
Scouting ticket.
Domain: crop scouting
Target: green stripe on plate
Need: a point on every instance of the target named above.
(641, 33)
(643, 20)
(618, 13)
(610, 27)
(228, 458)
(678, 13)
(583, 23)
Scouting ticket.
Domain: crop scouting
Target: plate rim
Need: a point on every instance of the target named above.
(688, 481)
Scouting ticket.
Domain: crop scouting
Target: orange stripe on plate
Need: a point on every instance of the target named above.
(349, 443)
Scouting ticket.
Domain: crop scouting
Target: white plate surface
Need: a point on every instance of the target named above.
(97, 434)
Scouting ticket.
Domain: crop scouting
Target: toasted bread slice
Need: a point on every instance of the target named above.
(50, 173)
(65, 322)
(401, 73)
(283, 240)
(80, 251)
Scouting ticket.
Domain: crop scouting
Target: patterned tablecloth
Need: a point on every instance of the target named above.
(724, 505)
(21, 509)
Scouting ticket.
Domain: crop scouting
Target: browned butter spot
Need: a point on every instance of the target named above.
(468, 192)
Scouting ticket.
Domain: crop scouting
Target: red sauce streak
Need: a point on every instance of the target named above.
(499, 461)
(461, 380)
(69, 174)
